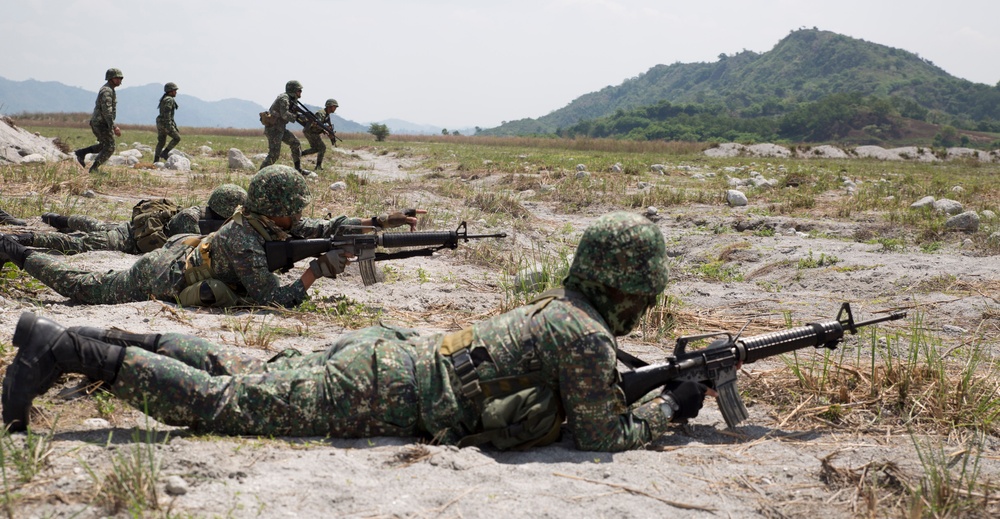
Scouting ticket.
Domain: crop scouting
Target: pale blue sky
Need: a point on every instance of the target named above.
(450, 63)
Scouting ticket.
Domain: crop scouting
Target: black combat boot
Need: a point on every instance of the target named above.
(9, 219)
(146, 341)
(45, 351)
(12, 251)
(81, 156)
(56, 220)
(319, 163)
(25, 238)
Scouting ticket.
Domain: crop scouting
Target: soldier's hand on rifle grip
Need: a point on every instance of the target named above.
(389, 221)
(330, 264)
(689, 397)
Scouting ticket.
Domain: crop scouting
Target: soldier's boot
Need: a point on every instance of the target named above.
(157, 153)
(9, 219)
(166, 152)
(319, 162)
(25, 238)
(304, 172)
(45, 351)
(11, 250)
(146, 341)
(56, 220)
(81, 154)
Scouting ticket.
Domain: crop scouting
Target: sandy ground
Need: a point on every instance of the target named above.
(770, 466)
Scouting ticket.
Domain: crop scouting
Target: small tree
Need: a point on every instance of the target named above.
(380, 131)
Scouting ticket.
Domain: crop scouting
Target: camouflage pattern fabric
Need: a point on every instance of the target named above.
(158, 274)
(314, 134)
(165, 126)
(113, 237)
(102, 123)
(225, 199)
(276, 133)
(276, 191)
(391, 381)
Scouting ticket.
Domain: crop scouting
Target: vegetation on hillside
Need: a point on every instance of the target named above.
(761, 96)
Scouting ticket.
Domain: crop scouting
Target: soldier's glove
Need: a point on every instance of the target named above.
(389, 221)
(329, 264)
(688, 398)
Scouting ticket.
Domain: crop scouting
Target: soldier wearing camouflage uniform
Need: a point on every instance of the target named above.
(314, 134)
(222, 203)
(235, 253)
(102, 122)
(276, 133)
(165, 125)
(393, 381)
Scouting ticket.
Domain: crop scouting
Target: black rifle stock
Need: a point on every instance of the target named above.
(282, 255)
(303, 111)
(716, 364)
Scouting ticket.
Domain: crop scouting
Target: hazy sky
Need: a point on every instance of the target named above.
(451, 63)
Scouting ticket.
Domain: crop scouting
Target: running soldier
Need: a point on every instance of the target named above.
(278, 116)
(102, 122)
(314, 133)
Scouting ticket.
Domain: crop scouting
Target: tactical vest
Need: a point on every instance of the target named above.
(149, 219)
(518, 411)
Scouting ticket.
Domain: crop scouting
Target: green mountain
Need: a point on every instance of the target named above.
(806, 66)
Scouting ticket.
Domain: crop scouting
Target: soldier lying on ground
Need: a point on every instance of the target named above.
(224, 268)
(551, 359)
(122, 236)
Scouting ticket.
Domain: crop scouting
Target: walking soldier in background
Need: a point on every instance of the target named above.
(165, 125)
(314, 132)
(102, 122)
(275, 120)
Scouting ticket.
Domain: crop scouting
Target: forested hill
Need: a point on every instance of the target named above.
(805, 66)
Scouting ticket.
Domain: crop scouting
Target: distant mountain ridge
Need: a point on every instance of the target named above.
(805, 66)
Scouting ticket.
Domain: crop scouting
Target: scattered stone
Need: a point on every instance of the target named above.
(658, 168)
(966, 222)
(132, 153)
(204, 150)
(951, 328)
(176, 486)
(947, 206)
(923, 202)
(33, 158)
(239, 161)
(617, 168)
(736, 198)
(531, 279)
(581, 167)
(178, 163)
(340, 185)
(582, 174)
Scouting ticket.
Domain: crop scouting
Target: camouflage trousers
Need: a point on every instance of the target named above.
(105, 144)
(362, 385)
(117, 238)
(275, 136)
(158, 274)
(82, 222)
(316, 145)
(162, 132)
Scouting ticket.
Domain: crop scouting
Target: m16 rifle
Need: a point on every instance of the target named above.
(716, 364)
(307, 118)
(282, 255)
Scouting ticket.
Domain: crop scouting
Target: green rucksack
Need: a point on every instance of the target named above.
(149, 218)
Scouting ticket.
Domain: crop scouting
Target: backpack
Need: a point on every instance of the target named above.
(149, 218)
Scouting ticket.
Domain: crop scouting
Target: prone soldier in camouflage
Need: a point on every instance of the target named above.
(314, 134)
(276, 133)
(393, 381)
(227, 264)
(222, 203)
(165, 125)
(102, 122)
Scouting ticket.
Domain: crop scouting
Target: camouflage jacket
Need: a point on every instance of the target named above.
(185, 221)
(577, 353)
(168, 105)
(315, 128)
(280, 110)
(105, 108)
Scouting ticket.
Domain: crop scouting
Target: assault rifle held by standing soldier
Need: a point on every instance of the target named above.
(282, 255)
(716, 365)
(307, 117)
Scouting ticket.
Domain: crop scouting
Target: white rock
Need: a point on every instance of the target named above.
(736, 198)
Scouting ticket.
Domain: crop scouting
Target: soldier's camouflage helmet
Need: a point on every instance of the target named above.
(332, 102)
(112, 73)
(277, 190)
(293, 86)
(623, 251)
(169, 86)
(226, 198)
